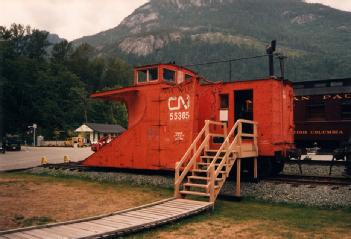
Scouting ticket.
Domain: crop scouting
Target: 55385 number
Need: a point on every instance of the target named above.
(184, 115)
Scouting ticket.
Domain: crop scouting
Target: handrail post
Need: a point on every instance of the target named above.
(225, 132)
(240, 131)
(255, 137)
(207, 132)
(212, 183)
(176, 183)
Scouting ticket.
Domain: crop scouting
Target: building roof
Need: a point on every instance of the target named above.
(101, 128)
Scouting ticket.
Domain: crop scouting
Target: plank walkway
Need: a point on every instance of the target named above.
(114, 224)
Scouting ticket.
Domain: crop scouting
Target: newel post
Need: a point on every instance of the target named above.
(207, 132)
(212, 183)
(176, 183)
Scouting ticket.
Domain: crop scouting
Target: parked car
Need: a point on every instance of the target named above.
(12, 143)
(2, 147)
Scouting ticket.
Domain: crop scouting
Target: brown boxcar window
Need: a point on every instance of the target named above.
(168, 75)
(336, 83)
(318, 85)
(315, 112)
(299, 86)
(346, 110)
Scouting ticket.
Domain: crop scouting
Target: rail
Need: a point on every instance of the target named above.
(234, 149)
(194, 152)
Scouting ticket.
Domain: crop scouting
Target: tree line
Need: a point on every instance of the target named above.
(49, 84)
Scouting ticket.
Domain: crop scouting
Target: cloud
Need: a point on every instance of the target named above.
(70, 19)
(339, 4)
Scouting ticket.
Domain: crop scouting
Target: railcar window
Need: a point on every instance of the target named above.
(346, 110)
(319, 85)
(336, 83)
(188, 77)
(142, 76)
(299, 86)
(224, 101)
(168, 75)
(153, 74)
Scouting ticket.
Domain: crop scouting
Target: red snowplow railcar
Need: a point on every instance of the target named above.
(168, 105)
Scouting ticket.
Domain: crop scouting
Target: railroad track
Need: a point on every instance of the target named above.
(115, 224)
(310, 180)
(316, 162)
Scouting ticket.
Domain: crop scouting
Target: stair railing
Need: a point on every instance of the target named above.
(194, 152)
(235, 144)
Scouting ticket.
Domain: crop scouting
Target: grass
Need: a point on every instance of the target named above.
(27, 199)
(70, 179)
(246, 219)
(270, 220)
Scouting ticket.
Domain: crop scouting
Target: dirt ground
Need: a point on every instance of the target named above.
(27, 200)
(31, 200)
(255, 229)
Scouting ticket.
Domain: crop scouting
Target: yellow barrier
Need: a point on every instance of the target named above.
(66, 159)
(44, 160)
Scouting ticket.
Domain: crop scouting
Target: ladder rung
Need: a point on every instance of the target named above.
(195, 193)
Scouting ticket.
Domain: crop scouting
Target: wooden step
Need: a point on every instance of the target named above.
(205, 171)
(200, 171)
(194, 193)
(210, 157)
(215, 151)
(195, 185)
(204, 178)
(207, 164)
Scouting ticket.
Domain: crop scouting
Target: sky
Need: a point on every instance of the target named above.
(72, 19)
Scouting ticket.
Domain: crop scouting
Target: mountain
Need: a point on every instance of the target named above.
(316, 38)
(54, 38)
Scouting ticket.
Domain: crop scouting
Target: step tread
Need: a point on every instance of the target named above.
(204, 178)
(216, 164)
(210, 156)
(196, 185)
(195, 193)
(205, 171)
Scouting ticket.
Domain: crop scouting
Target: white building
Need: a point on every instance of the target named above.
(92, 132)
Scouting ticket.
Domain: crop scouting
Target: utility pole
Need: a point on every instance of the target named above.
(34, 127)
(270, 51)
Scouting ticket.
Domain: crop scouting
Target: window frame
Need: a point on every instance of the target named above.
(148, 75)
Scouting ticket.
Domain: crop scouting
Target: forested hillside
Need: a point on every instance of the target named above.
(315, 37)
(52, 89)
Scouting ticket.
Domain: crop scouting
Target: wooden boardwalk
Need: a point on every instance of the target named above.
(114, 224)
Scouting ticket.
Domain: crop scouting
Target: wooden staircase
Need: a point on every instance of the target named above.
(204, 168)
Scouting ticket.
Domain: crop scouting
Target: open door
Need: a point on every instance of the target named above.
(243, 107)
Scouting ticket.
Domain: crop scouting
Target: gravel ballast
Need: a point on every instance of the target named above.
(320, 195)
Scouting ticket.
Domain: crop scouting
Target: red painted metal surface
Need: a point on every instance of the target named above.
(165, 116)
